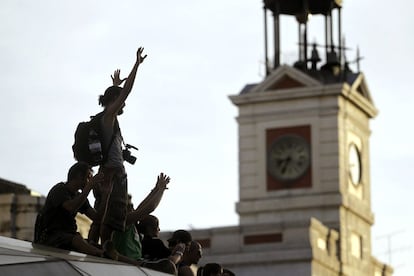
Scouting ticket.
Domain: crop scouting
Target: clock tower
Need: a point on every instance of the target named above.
(304, 161)
(304, 138)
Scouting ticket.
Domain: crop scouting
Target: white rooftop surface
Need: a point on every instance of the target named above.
(19, 258)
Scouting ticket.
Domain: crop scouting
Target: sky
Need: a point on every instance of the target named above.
(57, 57)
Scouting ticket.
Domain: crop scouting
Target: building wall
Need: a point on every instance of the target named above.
(271, 249)
(18, 215)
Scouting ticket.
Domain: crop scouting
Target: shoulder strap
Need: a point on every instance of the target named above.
(96, 122)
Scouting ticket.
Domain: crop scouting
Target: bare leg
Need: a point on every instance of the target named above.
(93, 235)
(102, 194)
(94, 230)
(82, 246)
(113, 254)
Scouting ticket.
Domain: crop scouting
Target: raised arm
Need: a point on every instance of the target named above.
(114, 107)
(74, 204)
(151, 201)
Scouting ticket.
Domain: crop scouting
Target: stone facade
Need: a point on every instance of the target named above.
(18, 210)
(18, 215)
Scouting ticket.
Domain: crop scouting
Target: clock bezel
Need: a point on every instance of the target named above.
(355, 173)
(272, 134)
(285, 139)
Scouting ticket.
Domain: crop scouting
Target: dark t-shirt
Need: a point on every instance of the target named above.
(154, 249)
(55, 217)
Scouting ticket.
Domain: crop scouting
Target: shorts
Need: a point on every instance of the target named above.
(115, 212)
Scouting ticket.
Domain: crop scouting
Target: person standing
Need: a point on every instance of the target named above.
(112, 204)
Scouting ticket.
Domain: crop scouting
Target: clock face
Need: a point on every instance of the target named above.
(288, 157)
(354, 165)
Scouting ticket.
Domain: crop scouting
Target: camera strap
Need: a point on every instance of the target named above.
(115, 131)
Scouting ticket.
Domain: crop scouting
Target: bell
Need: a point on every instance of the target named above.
(332, 58)
(314, 59)
(303, 17)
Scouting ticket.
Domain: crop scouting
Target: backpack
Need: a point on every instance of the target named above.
(88, 142)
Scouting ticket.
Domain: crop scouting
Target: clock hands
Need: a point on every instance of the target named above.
(283, 163)
(286, 163)
(288, 158)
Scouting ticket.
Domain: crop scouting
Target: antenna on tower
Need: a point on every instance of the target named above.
(390, 248)
(357, 60)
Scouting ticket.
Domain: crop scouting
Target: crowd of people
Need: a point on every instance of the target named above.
(118, 230)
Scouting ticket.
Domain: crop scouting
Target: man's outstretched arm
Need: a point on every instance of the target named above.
(151, 201)
(129, 83)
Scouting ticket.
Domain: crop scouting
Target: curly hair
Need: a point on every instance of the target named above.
(78, 169)
(111, 93)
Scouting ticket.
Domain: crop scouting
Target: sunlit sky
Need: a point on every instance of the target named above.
(57, 57)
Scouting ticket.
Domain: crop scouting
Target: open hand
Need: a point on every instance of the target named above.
(179, 248)
(140, 58)
(162, 181)
(116, 80)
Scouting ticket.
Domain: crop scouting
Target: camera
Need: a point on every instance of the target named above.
(126, 154)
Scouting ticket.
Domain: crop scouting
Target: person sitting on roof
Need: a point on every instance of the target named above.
(128, 242)
(153, 248)
(55, 224)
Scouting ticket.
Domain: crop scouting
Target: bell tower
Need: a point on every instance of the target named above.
(302, 10)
